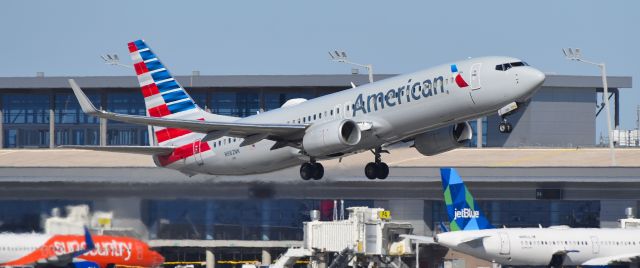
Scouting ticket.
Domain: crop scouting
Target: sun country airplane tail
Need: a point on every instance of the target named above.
(462, 209)
(164, 97)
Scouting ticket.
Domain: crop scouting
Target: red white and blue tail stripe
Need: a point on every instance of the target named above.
(164, 97)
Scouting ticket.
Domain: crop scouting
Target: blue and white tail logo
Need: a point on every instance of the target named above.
(461, 207)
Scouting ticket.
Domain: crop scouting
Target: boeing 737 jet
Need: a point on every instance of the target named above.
(41, 250)
(429, 107)
(471, 233)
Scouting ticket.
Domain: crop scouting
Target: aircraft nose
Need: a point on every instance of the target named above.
(157, 259)
(534, 78)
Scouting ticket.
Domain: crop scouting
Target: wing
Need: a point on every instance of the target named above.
(622, 258)
(148, 150)
(214, 130)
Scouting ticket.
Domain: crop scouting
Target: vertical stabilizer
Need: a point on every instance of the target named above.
(461, 207)
(163, 95)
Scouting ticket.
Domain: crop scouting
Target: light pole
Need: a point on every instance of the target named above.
(342, 57)
(114, 60)
(570, 54)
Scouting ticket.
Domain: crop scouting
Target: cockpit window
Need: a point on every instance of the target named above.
(507, 66)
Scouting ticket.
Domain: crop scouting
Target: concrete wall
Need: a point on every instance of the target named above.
(555, 117)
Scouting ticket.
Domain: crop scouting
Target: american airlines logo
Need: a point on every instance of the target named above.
(413, 90)
(111, 248)
(466, 213)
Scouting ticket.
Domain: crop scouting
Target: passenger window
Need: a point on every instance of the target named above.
(337, 110)
(319, 115)
(314, 117)
(331, 112)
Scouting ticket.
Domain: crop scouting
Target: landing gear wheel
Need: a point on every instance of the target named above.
(306, 171)
(383, 170)
(509, 127)
(502, 127)
(371, 170)
(318, 171)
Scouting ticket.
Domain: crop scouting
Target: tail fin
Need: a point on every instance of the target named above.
(163, 96)
(461, 207)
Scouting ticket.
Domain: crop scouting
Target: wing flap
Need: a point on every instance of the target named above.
(274, 131)
(147, 150)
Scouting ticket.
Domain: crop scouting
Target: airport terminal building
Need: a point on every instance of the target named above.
(548, 171)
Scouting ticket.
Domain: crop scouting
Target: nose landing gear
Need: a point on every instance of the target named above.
(377, 169)
(504, 126)
(311, 170)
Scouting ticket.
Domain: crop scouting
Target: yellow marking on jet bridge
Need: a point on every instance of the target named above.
(532, 158)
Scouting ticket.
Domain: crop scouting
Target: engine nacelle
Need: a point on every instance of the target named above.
(443, 139)
(331, 137)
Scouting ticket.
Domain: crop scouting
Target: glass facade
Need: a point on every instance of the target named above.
(233, 219)
(25, 117)
(72, 126)
(518, 213)
(26, 216)
(25, 120)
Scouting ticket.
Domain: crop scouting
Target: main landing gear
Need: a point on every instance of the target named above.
(311, 170)
(377, 169)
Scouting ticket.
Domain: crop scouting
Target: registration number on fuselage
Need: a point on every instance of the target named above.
(231, 152)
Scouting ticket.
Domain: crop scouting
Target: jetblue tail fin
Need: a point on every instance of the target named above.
(461, 207)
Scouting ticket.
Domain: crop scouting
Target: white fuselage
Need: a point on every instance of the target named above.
(403, 111)
(536, 246)
(15, 246)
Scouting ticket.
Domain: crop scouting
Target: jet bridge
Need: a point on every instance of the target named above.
(367, 237)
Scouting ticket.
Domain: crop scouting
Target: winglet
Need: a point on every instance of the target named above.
(85, 103)
(88, 240)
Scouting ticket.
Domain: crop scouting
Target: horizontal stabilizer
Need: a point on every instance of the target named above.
(148, 150)
(420, 239)
(473, 238)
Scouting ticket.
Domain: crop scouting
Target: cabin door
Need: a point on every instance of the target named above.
(505, 247)
(197, 150)
(595, 245)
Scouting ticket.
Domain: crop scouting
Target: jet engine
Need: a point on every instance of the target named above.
(330, 137)
(443, 139)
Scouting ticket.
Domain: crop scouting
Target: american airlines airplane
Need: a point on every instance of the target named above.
(429, 107)
(41, 250)
(471, 233)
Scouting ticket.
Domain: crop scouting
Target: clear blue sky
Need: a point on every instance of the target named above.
(293, 37)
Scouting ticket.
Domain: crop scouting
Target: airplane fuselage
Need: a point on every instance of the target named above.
(387, 111)
(27, 249)
(536, 246)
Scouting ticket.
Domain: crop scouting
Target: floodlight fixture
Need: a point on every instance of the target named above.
(576, 55)
(341, 56)
(114, 60)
